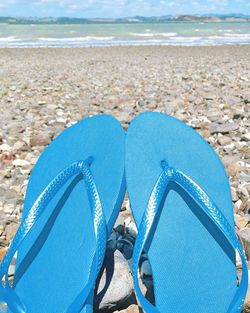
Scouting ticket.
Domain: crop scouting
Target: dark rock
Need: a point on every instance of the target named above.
(115, 288)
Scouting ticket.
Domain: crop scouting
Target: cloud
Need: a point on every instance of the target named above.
(7, 3)
(106, 8)
(74, 5)
(219, 3)
(171, 4)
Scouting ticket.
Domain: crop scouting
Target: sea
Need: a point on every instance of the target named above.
(115, 34)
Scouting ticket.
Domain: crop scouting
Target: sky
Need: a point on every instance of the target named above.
(119, 8)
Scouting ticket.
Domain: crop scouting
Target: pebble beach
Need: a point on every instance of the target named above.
(44, 90)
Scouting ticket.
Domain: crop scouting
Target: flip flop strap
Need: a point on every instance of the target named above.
(7, 293)
(149, 221)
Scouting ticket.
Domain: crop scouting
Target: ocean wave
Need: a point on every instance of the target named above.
(9, 39)
(168, 34)
(215, 37)
(142, 34)
(159, 34)
(98, 41)
(227, 37)
(75, 39)
(237, 35)
(192, 39)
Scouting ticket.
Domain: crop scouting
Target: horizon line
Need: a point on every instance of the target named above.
(134, 16)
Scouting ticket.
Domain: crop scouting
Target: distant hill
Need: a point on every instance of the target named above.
(135, 19)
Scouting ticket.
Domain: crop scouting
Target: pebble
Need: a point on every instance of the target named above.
(42, 102)
(3, 251)
(234, 194)
(223, 128)
(21, 163)
(131, 309)
(242, 221)
(244, 235)
(232, 170)
(224, 140)
(245, 207)
(146, 269)
(246, 137)
(10, 231)
(40, 140)
(238, 205)
(120, 286)
(5, 147)
(243, 192)
(130, 226)
(19, 146)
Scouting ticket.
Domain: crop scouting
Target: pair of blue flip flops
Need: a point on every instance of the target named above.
(181, 202)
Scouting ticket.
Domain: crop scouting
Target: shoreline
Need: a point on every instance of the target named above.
(141, 54)
(127, 45)
(247, 45)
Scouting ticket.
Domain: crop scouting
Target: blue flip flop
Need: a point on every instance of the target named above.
(72, 201)
(181, 202)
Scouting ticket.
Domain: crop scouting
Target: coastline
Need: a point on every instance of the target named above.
(133, 46)
(142, 45)
(99, 43)
(150, 46)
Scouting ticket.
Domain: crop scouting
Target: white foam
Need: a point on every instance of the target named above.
(157, 38)
(75, 39)
(167, 34)
(153, 34)
(189, 39)
(215, 37)
(237, 35)
(8, 39)
(142, 34)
